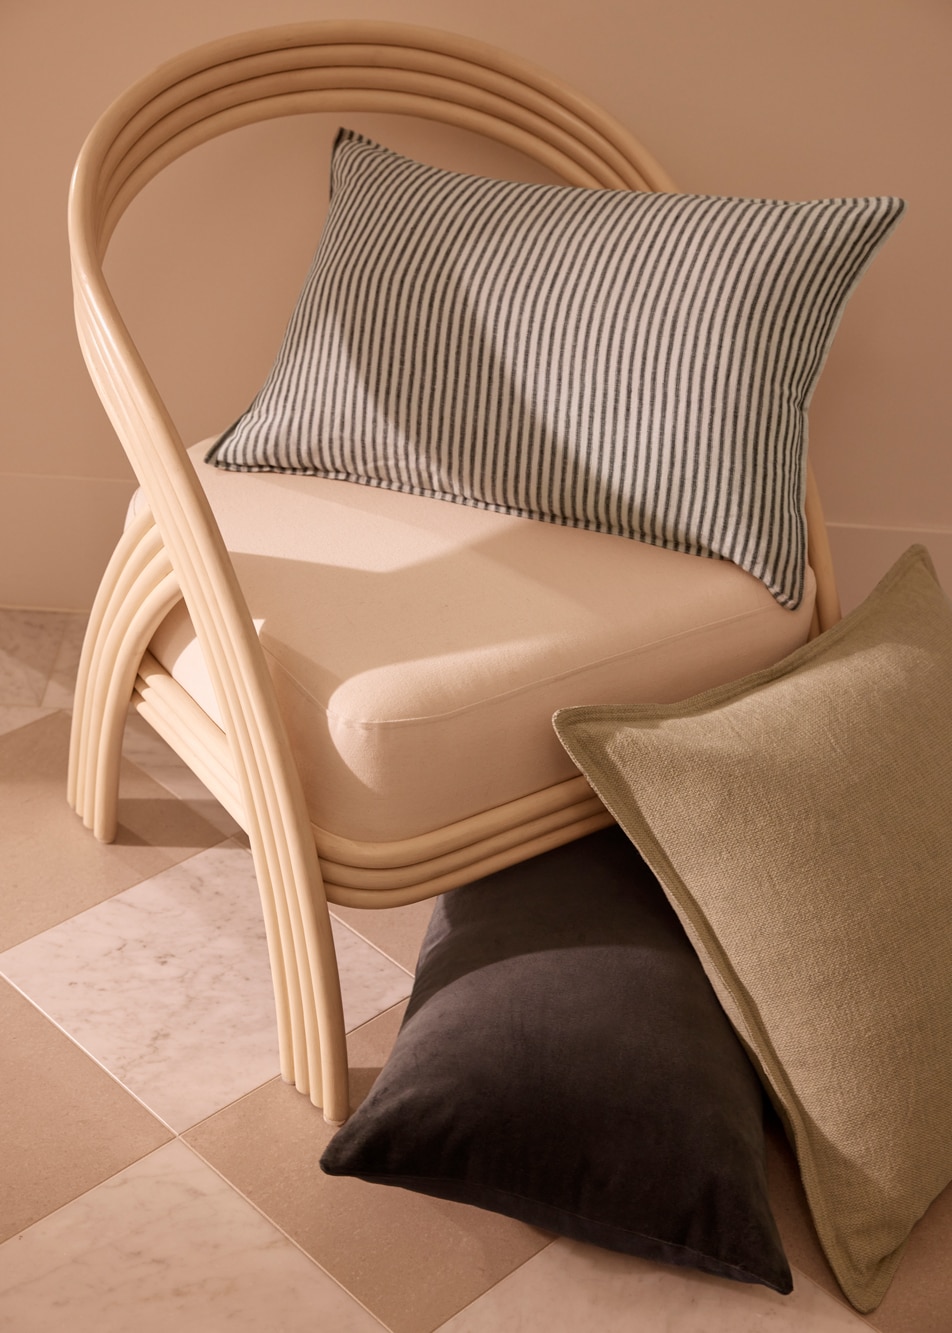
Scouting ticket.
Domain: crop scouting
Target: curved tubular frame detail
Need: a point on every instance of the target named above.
(176, 549)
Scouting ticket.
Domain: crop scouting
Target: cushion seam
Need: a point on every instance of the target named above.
(342, 719)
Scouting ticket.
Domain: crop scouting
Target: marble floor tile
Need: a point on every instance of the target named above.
(53, 867)
(62, 680)
(412, 1260)
(65, 1124)
(168, 984)
(13, 716)
(166, 1245)
(29, 646)
(571, 1286)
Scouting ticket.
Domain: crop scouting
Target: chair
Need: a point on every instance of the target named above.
(186, 620)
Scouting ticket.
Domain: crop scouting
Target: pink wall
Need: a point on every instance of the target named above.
(798, 100)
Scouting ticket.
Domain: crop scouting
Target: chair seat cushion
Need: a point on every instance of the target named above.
(419, 648)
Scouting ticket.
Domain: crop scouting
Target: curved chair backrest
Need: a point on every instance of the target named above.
(339, 67)
(335, 66)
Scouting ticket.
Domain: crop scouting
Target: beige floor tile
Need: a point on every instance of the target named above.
(14, 716)
(412, 1260)
(920, 1297)
(52, 866)
(571, 1286)
(65, 1125)
(396, 931)
(166, 1245)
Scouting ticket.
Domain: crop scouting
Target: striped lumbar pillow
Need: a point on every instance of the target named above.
(638, 364)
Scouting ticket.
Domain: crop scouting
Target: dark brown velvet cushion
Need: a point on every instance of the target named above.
(564, 1060)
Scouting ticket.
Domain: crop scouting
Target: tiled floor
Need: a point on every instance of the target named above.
(156, 1174)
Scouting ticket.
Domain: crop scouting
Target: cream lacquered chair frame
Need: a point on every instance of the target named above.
(174, 549)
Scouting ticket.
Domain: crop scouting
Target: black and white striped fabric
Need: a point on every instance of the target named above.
(639, 364)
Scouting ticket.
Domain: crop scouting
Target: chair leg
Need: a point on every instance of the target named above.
(137, 592)
(304, 967)
(323, 1009)
(82, 738)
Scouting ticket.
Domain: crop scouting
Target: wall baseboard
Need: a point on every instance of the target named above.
(862, 555)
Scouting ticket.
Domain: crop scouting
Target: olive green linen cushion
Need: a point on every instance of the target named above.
(800, 821)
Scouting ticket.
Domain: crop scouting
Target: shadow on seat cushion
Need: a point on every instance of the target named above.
(563, 1060)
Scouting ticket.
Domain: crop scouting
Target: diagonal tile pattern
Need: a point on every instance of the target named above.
(30, 644)
(59, 687)
(167, 1244)
(52, 866)
(571, 1286)
(65, 1125)
(155, 1173)
(167, 984)
(369, 1237)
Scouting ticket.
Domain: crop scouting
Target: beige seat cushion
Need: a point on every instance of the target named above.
(420, 648)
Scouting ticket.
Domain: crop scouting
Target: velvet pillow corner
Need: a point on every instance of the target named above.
(564, 1061)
